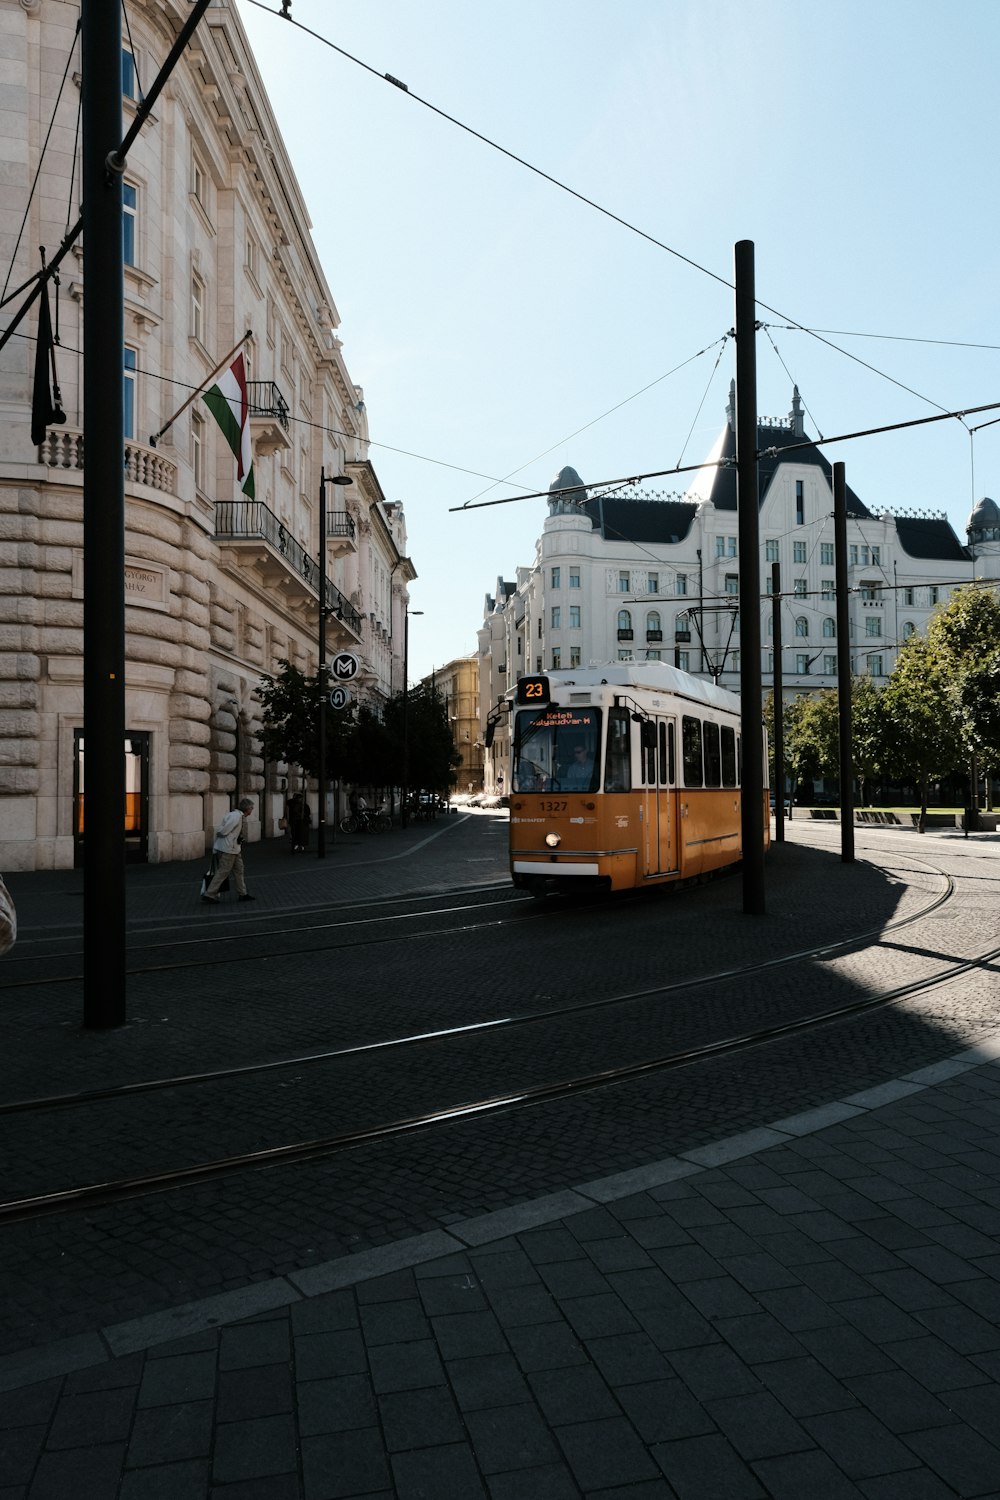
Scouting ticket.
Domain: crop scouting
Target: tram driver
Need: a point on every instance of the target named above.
(579, 774)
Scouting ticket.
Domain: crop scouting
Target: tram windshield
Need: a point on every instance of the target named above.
(557, 750)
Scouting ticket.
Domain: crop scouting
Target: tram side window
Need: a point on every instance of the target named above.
(648, 737)
(691, 751)
(713, 758)
(667, 775)
(729, 756)
(618, 767)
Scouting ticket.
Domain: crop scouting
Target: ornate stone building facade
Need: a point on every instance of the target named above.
(633, 577)
(218, 588)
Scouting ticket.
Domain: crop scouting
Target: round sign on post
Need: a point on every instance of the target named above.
(339, 697)
(345, 666)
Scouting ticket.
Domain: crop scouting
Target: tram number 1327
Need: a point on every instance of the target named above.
(623, 776)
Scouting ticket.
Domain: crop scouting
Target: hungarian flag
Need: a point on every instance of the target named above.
(227, 401)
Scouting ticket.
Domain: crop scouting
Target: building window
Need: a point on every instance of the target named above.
(624, 625)
(875, 666)
(197, 308)
(539, 629)
(734, 661)
(682, 628)
(730, 546)
(771, 551)
(800, 587)
(769, 584)
(653, 583)
(801, 625)
(199, 183)
(852, 555)
(556, 655)
(574, 656)
(129, 392)
(653, 626)
(732, 583)
(253, 256)
(624, 584)
(798, 552)
(556, 575)
(873, 625)
(800, 503)
(574, 578)
(556, 616)
(683, 660)
(538, 663)
(720, 546)
(769, 662)
(908, 629)
(198, 449)
(625, 655)
(826, 554)
(909, 597)
(932, 594)
(130, 203)
(830, 666)
(802, 664)
(130, 83)
(654, 655)
(829, 628)
(574, 617)
(826, 589)
(681, 583)
(876, 557)
(870, 592)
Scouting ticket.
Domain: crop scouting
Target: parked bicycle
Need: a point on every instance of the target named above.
(366, 820)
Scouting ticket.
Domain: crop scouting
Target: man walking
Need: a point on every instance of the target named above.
(228, 845)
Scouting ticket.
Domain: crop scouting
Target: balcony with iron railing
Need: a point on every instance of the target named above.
(253, 536)
(269, 417)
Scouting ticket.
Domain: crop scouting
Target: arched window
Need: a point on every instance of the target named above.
(908, 629)
(624, 620)
(801, 625)
(653, 620)
(829, 628)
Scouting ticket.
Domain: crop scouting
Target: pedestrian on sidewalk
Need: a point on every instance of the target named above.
(8, 919)
(299, 816)
(230, 837)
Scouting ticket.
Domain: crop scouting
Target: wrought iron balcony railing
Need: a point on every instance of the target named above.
(264, 399)
(252, 520)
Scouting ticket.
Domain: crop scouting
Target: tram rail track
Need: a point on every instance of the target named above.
(96, 1194)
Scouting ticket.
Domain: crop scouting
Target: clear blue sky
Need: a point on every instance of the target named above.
(489, 316)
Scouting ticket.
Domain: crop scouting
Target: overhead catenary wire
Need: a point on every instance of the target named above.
(285, 14)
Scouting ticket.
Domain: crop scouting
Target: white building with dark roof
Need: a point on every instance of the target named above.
(640, 576)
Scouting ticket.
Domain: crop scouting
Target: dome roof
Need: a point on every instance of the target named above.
(986, 513)
(566, 493)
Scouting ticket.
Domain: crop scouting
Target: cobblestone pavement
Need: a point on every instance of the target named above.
(780, 1278)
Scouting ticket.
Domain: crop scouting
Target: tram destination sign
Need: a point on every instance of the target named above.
(533, 691)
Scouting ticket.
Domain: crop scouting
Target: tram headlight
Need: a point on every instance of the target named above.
(553, 840)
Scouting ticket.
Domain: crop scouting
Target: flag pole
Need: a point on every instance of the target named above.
(195, 394)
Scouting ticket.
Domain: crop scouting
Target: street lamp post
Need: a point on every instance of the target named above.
(404, 811)
(324, 480)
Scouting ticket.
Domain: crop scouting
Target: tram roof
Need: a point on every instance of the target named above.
(653, 676)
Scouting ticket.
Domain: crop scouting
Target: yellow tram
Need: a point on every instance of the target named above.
(622, 776)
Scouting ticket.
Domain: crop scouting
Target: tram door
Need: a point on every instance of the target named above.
(136, 823)
(658, 778)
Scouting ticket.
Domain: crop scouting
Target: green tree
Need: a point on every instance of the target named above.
(812, 736)
(867, 731)
(432, 754)
(290, 722)
(965, 633)
(922, 721)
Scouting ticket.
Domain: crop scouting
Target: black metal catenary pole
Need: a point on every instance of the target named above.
(777, 698)
(103, 521)
(843, 665)
(752, 800)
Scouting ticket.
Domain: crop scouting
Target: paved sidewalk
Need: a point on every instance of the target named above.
(810, 1310)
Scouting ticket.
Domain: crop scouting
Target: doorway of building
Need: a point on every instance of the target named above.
(136, 826)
